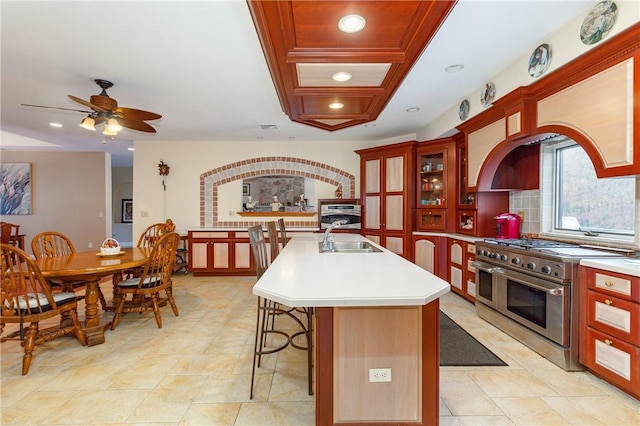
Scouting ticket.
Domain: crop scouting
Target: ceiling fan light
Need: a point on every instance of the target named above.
(108, 132)
(88, 123)
(113, 126)
(351, 23)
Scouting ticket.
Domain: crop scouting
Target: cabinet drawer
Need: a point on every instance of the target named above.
(615, 284)
(614, 360)
(617, 317)
(431, 220)
(197, 235)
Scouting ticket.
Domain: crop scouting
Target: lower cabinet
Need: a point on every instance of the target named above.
(610, 327)
(428, 254)
(220, 253)
(462, 274)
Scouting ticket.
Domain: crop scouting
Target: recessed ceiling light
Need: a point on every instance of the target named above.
(369, 125)
(454, 68)
(336, 105)
(55, 124)
(342, 76)
(413, 109)
(351, 23)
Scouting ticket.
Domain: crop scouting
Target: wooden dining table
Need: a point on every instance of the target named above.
(91, 267)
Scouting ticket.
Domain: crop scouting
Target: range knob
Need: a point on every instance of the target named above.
(480, 252)
(516, 261)
(531, 265)
(546, 269)
(504, 257)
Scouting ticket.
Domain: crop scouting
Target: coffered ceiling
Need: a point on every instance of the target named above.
(305, 48)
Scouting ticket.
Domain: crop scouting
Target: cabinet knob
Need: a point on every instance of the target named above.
(608, 342)
(609, 283)
(608, 302)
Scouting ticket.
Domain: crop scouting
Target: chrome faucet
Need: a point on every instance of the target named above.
(326, 241)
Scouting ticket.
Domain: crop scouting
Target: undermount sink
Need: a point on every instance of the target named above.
(349, 247)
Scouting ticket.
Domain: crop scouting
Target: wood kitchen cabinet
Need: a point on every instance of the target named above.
(435, 188)
(462, 274)
(220, 253)
(429, 253)
(387, 191)
(475, 210)
(610, 327)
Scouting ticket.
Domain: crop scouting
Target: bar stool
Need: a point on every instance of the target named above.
(267, 309)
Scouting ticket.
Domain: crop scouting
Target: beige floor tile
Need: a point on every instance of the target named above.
(211, 414)
(596, 410)
(35, 407)
(464, 397)
(530, 411)
(98, 407)
(476, 421)
(510, 383)
(277, 414)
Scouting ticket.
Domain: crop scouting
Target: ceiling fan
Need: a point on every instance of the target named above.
(105, 109)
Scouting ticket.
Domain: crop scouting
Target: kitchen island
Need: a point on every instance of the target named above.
(372, 311)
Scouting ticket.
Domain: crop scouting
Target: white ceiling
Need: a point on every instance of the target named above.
(200, 65)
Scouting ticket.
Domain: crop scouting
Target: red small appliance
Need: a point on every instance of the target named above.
(507, 225)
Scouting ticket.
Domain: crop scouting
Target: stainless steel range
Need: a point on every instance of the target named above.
(528, 289)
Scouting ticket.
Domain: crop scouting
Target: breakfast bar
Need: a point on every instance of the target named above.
(373, 310)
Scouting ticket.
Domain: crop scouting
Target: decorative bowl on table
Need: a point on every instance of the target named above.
(110, 246)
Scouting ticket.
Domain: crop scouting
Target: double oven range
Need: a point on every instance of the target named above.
(529, 289)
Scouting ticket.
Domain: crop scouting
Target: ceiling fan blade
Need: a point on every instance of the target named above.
(64, 109)
(136, 114)
(87, 104)
(136, 125)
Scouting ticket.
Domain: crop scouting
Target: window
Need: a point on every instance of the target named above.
(584, 203)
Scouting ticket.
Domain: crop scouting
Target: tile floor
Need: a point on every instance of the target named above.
(196, 370)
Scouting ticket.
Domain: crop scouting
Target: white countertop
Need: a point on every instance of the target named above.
(629, 266)
(301, 276)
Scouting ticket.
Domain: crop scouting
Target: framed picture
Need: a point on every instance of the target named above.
(127, 210)
(246, 189)
(15, 190)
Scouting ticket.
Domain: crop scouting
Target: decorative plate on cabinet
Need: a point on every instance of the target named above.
(598, 22)
(540, 60)
(463, 112)
(488, 93)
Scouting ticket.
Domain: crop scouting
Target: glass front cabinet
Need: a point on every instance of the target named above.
(435, 165)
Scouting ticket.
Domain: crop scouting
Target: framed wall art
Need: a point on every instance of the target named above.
(246, 189)
(127, 210)
(15, 191)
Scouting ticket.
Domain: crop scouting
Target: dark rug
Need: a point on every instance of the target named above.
(458, 348)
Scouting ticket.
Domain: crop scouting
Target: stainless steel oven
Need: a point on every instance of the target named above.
(351, 212)
(541, 305)
(529, 289)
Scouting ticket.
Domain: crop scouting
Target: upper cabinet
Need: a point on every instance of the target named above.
(435, 184)
(593, 100)
(387, 192)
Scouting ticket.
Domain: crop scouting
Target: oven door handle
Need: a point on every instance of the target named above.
(556, 291)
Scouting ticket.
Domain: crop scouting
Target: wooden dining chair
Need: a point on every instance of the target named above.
(142, 294)
(10, 233)
(26, 298)
(268, 309)
(56, 244)
(274, 243)
(151, 234)
(283, 232)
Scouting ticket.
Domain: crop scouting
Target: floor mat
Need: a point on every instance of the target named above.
(459, 348)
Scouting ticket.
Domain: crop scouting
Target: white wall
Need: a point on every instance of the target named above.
(188, 160)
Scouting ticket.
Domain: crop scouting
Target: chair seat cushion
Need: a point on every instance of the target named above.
(31, 301)
(134, 282)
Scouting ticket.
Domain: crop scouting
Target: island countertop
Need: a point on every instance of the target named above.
(301, 276)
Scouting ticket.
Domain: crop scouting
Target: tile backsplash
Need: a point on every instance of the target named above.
(527, 202)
